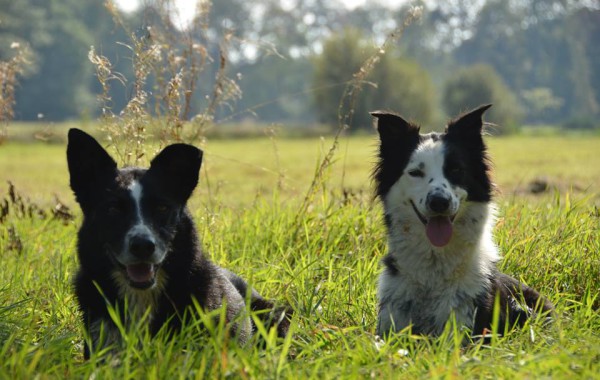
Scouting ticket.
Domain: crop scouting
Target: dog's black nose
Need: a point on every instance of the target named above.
(141, 247)
(438, 203)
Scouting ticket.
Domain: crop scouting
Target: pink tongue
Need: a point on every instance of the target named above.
(140, 272)
(439, 230)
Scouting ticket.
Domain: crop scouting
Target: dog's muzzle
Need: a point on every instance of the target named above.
(143, 261)
(438, 222)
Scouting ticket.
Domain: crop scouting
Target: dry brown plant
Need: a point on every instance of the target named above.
(10, 71)
(167, 63)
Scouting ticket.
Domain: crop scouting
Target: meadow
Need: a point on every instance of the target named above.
(320, 253)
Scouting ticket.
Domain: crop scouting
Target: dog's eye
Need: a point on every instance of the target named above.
(163, 209)
(416, 173)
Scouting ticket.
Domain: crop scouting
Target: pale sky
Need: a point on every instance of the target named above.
(186, 8)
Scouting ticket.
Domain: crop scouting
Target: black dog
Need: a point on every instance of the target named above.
(437, 198)
(139, 250)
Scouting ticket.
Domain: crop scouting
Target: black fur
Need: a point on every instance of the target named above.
(517, 302)
(390, 265)
(398, 140)
(467, 163)
(185, 273)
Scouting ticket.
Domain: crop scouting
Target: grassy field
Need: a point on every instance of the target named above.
(323, 260)
(235, 172)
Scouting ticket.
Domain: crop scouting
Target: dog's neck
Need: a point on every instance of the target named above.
(471, 250)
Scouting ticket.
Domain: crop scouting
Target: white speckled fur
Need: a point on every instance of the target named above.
(427, 284)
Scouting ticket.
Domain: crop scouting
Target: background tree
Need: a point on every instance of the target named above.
(396, 84)
(111, 38)
(472, 86)
(59, 86)
(276, 89)
(22, 23)
(540, 104)
(404, 87)
(342, 56)
(276, 45)
(539, 44)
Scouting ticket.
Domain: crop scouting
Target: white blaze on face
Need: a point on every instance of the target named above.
(429, 158)
(136, 193)
(136, 271)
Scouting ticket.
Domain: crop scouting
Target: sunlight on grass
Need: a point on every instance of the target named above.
(326, 267)
(235, 172)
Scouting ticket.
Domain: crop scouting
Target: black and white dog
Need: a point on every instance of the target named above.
(436, 192)
(139, 250)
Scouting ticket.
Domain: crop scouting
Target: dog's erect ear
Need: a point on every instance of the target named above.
(176, 169)
(398, 139)
(88, 162)
(470, 122)
(393, 126)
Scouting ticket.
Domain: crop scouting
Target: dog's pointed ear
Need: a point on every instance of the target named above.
(398, 139)
(392, 126)
(177, 169)
(87, 162)
(469, 122)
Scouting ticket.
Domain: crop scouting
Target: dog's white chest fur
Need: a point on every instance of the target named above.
(424, 286)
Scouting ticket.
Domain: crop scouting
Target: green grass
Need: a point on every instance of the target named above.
(235, 172)
(323, 262)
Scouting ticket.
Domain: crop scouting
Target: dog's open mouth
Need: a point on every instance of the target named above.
(141, 275)
(438, 228)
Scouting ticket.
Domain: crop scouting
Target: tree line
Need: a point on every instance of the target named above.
(538, 61)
